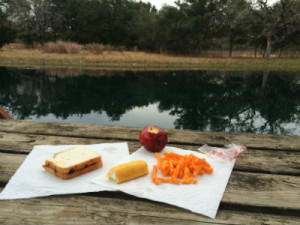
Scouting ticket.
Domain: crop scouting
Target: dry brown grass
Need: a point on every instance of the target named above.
(74, 48)
(11, 46)
(62, 47)
(225, 54)
(97, 49)
(140, 60)
(248, 54)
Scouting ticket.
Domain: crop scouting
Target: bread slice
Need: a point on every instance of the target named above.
(73, 162)
(128, 171)
(66, 176)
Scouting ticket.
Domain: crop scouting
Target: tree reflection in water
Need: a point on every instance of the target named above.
(255, 102)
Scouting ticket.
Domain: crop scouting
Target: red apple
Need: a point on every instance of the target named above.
(153, 138)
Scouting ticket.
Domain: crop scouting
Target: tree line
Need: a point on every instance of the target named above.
(188, 28)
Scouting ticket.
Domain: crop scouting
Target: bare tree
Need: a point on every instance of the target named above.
(279, 21)
(267, 18)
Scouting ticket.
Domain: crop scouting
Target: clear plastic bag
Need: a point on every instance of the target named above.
(229, 152)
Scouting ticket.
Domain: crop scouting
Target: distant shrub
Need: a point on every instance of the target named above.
(36, 45)
(109, 48)
(94, 48)
(73, 48)
(289, 54)
(135, 49)
(62, 47)
(14, 46)
(69, 47)
(49, 47)
(120, 48)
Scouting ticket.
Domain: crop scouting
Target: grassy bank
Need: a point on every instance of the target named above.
(139, 61)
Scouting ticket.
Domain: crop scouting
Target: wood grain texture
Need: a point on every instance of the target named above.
(252, 189)
(83, 209)
(265, 177)
(283, 162)
(274, 142)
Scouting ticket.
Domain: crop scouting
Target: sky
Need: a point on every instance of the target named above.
(159, 3)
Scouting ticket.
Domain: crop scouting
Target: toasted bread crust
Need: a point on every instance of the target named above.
(72, 174)
(51, 164)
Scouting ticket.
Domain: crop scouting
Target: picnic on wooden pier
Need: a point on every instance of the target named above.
(263, 187)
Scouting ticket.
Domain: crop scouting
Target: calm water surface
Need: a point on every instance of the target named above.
(253, 102)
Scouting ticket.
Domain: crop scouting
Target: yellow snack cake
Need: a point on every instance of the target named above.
(128, 171)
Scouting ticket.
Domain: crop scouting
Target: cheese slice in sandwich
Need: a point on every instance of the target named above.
(128, 171)
(73, 162)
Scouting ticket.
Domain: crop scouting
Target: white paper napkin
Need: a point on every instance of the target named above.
(203, 197)
(31, 180)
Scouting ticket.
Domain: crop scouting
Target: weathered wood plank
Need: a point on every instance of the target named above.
(253, 189)
(264, 190)
(9, 163)
(274, 142)
(247, 189)
(283, 162)
(83, 209)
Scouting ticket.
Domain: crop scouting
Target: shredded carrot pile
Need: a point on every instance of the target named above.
(179, 169)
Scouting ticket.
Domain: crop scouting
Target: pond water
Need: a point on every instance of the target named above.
(253, 102)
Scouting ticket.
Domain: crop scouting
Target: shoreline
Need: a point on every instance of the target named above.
(140, 61)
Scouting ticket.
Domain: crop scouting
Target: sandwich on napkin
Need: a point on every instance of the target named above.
(73, 162)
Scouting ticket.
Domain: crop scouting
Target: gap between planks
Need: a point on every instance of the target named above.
(251, 141)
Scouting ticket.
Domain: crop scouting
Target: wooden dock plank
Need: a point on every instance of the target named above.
(84, 209)
(250, 160)
(252, 189)
(274, 142)
(263, 188)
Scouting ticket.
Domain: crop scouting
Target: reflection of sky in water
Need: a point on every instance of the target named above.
(139, 117)
(143, 116)
(258, 122)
